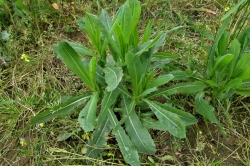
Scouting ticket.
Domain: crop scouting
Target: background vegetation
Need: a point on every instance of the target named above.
(37, 81)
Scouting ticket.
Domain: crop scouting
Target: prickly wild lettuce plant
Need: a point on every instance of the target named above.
(118, 71)
(228, 69)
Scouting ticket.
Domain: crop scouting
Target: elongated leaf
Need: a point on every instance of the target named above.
(235, 50)
(80, 49)
(127, 148)
(159, 43)
(60, 110)
(201, 31)
(107, 22)
(233, 9)
(179, 75)
(124, 91)
(96, 143)
(138, 134)
(108, 35)
(147, 91)
(222, 44)
(189, 87)
(186, 117)
(245, 75)
(161, 80)
(203, 108)
(243, 91)
(88, 115)
(126, 22)
(234, 83)
(135, 70)
(152, 123)
(107, 101)
(113, 76)
(221, 62)
(146, 61)
(74, 63)
(93, 31)
(81, 24)
(92, 72)
(212, 51)
(173, 123)
(241, 66)
(244, 39)
(146, 46)
(136, 12)
(147, 32)
(120, 39)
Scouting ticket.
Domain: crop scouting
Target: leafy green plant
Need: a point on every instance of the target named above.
(228, 70)
(120, 77)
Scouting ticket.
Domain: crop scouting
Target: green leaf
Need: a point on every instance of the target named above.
(147, 91)
(88, 114)
(244, 39)
(135, 70)
(201, 31)
(161, 80)
(222, 44)
(107, 32)
(108, 100)
(234, 83)
(81, 24)
(127, 148)
(80, 49)
(212, 51)
(220, 63)
(93, 31)
(136, 12)
(189, 87)
(152, 123)
(96, 143)
(173, 123)
(120, 38)
(147, 32)
(60, 110)
(186, 117)
(233, 9)
(235, 50)
(146, 46)
(124, 91)
(138, 134)
(74, 63)
(92, 72)
(113, 76)
(179, 75)
(64, 136)
(243, 91)
(242, 65)
(126, 22)
(22, 7)
(203, 108)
